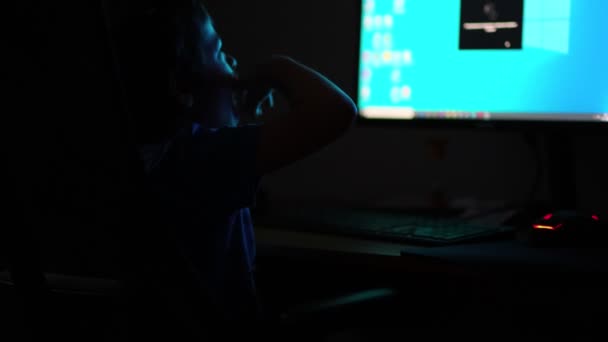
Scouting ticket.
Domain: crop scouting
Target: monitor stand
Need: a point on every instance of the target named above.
(558, 178)
(557, 149)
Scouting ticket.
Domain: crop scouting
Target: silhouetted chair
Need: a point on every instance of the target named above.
(84, 261)
(60, 157)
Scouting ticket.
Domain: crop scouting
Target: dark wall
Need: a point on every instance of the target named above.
(383, 163)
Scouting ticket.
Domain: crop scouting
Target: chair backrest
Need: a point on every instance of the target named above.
(18, 248)
(69, 163)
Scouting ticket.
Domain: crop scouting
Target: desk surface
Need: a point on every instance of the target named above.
(333, 249)
(271, 237)
(506, 252)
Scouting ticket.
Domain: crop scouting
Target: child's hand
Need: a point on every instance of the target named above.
(254, 101)
(255, 92)
(252, 96)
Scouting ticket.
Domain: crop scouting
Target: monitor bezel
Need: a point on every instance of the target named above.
(455, 123)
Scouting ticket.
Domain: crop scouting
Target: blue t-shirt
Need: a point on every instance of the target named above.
(206, 182)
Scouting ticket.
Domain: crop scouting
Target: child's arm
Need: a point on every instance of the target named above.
(319, 113)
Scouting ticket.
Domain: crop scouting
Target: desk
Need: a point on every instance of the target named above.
(494, 254)
(386, 256)
(502, 285)
(279, 238)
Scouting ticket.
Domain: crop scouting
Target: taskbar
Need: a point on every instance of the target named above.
(408, 113)
(486, 116)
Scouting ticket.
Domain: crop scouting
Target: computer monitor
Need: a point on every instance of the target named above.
(484, 61)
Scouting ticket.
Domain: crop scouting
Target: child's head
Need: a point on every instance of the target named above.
(202, 72)
(174, 68)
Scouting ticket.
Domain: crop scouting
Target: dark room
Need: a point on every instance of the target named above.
(344, 170)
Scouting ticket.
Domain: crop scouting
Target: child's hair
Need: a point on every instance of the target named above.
(157, 44)
(188, 59)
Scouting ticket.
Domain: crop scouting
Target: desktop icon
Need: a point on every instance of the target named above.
(406, 92)
(407, 57)
(368, 22)
(378, 21)
(366, 92)
(366, 56)
(387, 56)
(388, 21)
(366, 74)
(370, 6)
(399, 6)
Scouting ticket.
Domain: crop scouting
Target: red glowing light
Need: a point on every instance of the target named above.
(595, 217)
(540, 226)
(547, 217)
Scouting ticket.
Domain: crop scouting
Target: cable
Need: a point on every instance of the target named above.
(533, 142)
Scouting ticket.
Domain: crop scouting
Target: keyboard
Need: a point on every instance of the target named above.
(389, 226)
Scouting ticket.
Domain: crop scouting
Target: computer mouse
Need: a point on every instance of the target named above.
(566, 228)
